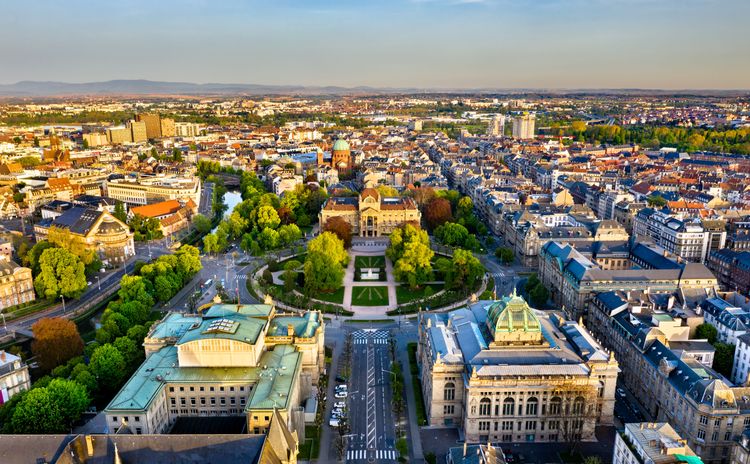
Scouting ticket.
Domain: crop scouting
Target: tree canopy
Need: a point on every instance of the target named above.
(56, 340)
(61, 273)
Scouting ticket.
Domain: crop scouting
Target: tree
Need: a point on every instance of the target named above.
(130, 351)
(505, 255)
(201, 223)
(266, 216)
(145, 228)
(211, 244)
(120, 212)
(723, 358)
(70, 397)
(414, 266)
(341, 228)
(108, 366)
(133, 288)
(656, 201)
(56, 340)
(387, 191)
(289, 233)
(77, 245)
(403, 235)
(31, 260)
(465, 207)
(539, 295)
(37, 413)
(707, 331)
(290, 279)
(464, 271)
(452, 234)
(578, 127)
(269, 239)
(323, 273)
(437, 212)
(60, 273)
(331, 245)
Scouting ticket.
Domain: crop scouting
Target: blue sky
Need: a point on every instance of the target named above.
(386, 43)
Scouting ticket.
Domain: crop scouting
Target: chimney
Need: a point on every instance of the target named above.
(89, 445)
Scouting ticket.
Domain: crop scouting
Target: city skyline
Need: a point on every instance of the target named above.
(554, 44)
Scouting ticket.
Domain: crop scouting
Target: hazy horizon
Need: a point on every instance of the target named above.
(423, 44)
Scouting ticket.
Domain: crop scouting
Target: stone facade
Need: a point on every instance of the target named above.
(371, 215)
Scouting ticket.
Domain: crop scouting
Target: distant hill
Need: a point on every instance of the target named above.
(146, 87)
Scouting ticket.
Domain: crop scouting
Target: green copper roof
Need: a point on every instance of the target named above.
(276, 376)
(511, 314)
(341, 144)
(234, 322)
(303, 326)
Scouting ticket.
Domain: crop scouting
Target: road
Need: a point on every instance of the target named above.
(205, 201)
(103, 285)
(505, 277)
(373, 434)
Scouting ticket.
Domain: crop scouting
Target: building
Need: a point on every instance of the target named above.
(687, 239)
(503, 372)
(14, 376)
(523, 126)
(652, 443)
(186, 129)
(16, 284)
(276, 447)
(496, 126)
(341, 157)
(146, 190)
(173, 215)
(119, 135)
(371, 215)
(152, 122)
(233, 361)
(475, 454)
(95, 139)
(741, 450)
(99, 231)
(138, 132)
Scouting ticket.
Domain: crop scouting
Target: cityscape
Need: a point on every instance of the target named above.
(351, 250)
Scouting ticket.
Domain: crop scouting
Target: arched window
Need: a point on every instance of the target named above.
(578, 405)
(555, 406)
(532, 406)
(485, 407)
(449, 391)
(508, 406)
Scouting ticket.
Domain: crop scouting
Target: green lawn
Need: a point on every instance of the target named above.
(335, 297)
(369, 261)
(310, 448)
(370, 296)
(404, 294)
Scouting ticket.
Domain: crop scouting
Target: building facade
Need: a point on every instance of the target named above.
(16, 284)
(14, 376)
(503, 372)
(651, 443)
(371, 215)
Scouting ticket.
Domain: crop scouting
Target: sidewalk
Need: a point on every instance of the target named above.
(415, 440)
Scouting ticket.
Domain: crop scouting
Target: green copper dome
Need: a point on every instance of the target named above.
(340, 145)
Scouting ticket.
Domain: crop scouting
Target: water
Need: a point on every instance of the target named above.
(232, 198)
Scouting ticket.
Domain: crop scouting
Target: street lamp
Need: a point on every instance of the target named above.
(63, 301)
(98, 283)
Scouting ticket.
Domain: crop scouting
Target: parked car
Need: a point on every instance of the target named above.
(621, 393)
(342, 387)
(340, 379)
(334, 423)
(339, 405)
(341, 395)
(338, 413)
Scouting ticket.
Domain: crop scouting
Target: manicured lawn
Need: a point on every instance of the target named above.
(310, 448)
(369, 261)
(370, 296)
(335, 297)
(404, 294)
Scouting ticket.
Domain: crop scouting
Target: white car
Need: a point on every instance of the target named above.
(341, 395)
(339, 405)
(334, 423)
(341, 387)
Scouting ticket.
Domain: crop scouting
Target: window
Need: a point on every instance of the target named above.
(701, 434)
(137, 418)
(578, 405)
(530, 425)
(727, 435)
(448, 409)
(555, 406)
(485, 406)
(449, 391)
(508, 406)
(507, 425)
(532, 404)
(484, 425)
(704, 420)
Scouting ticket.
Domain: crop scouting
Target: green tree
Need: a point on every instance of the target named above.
(505, 255)
(145, 228)
(323, 273)
(414, 266)
(201, 223)
(656, 201)
(452, 234)
(31, 260)
(60, 273)
(290, 280)
(108, 366)
(70, 398)
(120, 212)
(267, 217)
(133, 288)
(211, 244)
(329, 244)
(465, 207)
(130, 351)
(289, 234)
(707, 331)
(269, 239)
(539, 295)
(723, 358)
(464, 271)
(37, 413)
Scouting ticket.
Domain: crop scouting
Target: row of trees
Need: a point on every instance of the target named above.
(448, 206)
(78, 375)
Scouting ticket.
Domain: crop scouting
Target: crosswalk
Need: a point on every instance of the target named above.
(363, 455)
(378, 337)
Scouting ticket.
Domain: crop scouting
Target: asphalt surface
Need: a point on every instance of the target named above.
(372, 431)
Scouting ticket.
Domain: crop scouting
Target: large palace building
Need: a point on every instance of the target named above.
(371, 215)
(234, 360)
(504, 372)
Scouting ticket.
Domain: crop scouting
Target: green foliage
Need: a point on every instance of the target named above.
(505, 255)
(329, 244)
(32, 257)
(289, 234)
(60, 273)
(201, 223)
(108, 366)
(120, 212)
(323, 273)
(463, 271)
(707, 331)
(50, 409)
(409, 250)
(723, 358)
(656, 201)
(145, 228)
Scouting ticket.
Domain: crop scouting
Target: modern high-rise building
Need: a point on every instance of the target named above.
(138, 131)
(153, 124)
(523, 126)
(496, 126)
(167, 127)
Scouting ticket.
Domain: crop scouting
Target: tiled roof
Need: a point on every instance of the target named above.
(157, 209)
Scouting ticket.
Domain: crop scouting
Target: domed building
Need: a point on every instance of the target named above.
(110, 238)
(341, 158)
(502, 371)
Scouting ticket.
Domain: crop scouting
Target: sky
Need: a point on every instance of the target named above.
(560, 44)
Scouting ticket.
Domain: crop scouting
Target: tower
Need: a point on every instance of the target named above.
(341, 159)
